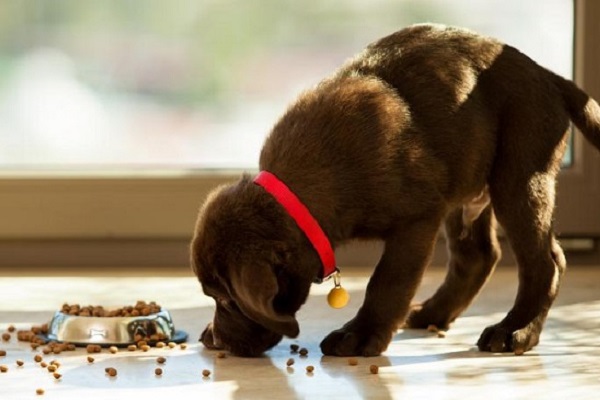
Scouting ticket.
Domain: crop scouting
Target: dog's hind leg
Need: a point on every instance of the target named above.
(472, 259)
(525, 210)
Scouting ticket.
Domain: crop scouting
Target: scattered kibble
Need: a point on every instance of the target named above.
(205, 373)
(113, 349)
(54, 362)
(432, 328)
(145, 348)
(158, 371)
(111, 371)
(441, 334)
(294, 348)
(303, 351)
(221, 354)
(11, 328)
(161, 360)
(2, 353)
(57, 376)
(290, 362)
(160, 345)
(43, 364)
(37, 358)
(93, 348)
(3, 368)
(52, 368)
(90, 359)
(142, 343)
(374, 369)
(183, 346)
(352, 361)
(132, 347)
(20, 363)
(310, 368)
(172, 345)
(6, 337)
(39, 392)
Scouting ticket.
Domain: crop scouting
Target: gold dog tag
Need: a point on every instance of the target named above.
(338, 297)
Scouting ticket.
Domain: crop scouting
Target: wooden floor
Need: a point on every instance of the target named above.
(417, 364)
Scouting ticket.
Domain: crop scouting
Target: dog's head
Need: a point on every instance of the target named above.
(254, 262)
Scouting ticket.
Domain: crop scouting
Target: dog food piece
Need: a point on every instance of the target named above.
(290, 362)
(54, 362)
(441, 334)
(20, 363)
(303, 351)
(432, 328)
(6, 337)
(52, 368)
(140, 308)
(183, 346)
(39, 392)
(34, 345)
(205, 373)
(113, 349)
(57, 376)
(132, 347)
(141, 342)
(352, 361)
(294, 348)
(46, 350)
(374, 369)
(221, 354)
(37, 358)
(161, 360)
(2, 353)
(145, 348)
(310, 369)
(172, 345)
(158, 371)
(43, 364)
(111, 371)
(3, 368)
(90, 359)
(160, 345)
(93, 348)
(11, 328)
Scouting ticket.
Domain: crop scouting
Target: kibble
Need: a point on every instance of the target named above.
(39, 392)
(374, 369)
(113, 349)
(160, 345)
(11, 328)
(158, 371)
(144, 348)
(432, 328)
(37, 358)
(221, 354)
(111, 371)
(183, 346)
(3, 368)
(294, 348)
(52, 368)
(172, 345)
(56, 363)
(205, 373)
(140, 308)
(132, 347)
(90, 359)
(310, 369)
(43, 364)
(303, 351)
(352, 361)
(20, 363)
(441, 334)
(57, 376)
(290, 362)
(2, 353)
(161, 360)
(6, 337)
(93, 348)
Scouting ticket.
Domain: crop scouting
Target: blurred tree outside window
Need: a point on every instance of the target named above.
(197, 84)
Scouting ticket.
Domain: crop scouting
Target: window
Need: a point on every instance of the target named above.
(117, 117)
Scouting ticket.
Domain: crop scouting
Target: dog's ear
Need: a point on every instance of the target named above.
(254, 289)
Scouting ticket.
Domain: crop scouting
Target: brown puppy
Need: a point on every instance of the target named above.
(410, 135)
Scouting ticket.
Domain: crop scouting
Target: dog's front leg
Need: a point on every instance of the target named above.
(389, 292)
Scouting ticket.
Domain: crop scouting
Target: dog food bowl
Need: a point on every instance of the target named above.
(113, 331)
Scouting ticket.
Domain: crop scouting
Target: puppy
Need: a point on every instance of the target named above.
(431, 126)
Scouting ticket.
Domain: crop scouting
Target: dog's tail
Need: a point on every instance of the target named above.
(584, 111)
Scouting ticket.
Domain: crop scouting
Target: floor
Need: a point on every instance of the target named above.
(417, 364)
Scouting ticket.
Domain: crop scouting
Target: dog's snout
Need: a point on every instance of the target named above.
(209, 338)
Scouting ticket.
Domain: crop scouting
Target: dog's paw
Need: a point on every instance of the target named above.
(422, 316)
(500, 339)
(353, 340)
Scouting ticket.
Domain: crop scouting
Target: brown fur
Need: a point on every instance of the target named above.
(392, 147)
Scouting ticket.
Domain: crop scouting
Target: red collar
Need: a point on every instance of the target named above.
(304, 219)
